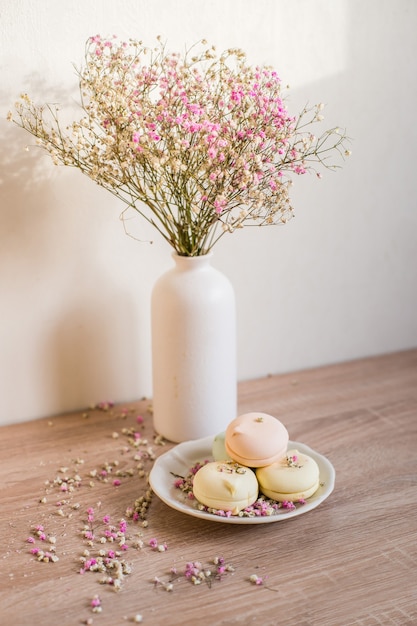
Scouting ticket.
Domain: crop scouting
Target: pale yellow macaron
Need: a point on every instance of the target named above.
(292, 478)
(226, 486)
(256, 439)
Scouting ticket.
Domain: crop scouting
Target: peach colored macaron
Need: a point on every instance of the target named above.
(256, 439)
(292, 478)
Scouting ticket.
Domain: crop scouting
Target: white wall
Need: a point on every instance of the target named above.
(336, 283)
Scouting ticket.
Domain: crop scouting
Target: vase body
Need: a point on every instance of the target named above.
(194, 375)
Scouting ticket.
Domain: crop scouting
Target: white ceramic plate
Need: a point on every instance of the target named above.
(185, 455)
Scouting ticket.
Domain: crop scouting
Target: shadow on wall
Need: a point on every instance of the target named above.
(72, 339)
(91, 351)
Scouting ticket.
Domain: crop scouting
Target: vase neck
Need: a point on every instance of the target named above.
(192, 262)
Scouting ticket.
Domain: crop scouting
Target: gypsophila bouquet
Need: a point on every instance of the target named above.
(199, 144)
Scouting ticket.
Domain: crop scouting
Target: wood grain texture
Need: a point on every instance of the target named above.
(351, 561)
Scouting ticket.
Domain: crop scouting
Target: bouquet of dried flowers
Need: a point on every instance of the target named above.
(198, 143)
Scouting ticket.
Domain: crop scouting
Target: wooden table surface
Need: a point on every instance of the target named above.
(352, 560)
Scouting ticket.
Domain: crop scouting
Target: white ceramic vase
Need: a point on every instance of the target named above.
(194, 376)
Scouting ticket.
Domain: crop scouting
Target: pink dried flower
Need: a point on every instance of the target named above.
(288, 505)
(96, 604)
(256, 580)
(196, 573)
(123, 526)
(104, 406)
